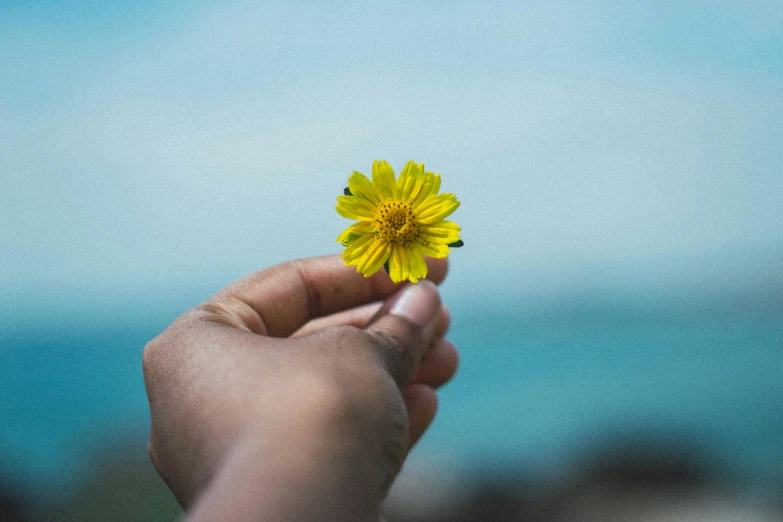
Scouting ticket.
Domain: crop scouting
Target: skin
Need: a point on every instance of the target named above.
(296, 392)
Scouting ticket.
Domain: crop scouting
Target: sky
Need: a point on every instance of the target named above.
(164, 149)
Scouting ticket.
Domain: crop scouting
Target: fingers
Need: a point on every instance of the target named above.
(445, 322)
(439, 365)
(360, 317)
(406, 328)
(309, 288)
(422, 403)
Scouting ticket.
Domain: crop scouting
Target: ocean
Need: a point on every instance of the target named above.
(536, 386)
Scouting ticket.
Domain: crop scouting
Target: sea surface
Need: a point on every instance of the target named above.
(536, 387)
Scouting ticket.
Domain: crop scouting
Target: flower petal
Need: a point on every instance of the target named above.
(436, 208)
(398, 264)
(442, 233)
(442, 228)
(375, 257)
(350, 234)
(365, 249)
(361, 186)
(355, 207)
(354, 253)
(411, 179)
(418, 267)
(432, 249)
(430, 187)
(383, 179)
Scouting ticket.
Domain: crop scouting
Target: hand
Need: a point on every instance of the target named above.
(289, 395)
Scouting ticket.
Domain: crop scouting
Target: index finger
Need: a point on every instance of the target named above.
(278, 300)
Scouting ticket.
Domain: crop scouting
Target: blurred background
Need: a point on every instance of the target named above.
(618, 303)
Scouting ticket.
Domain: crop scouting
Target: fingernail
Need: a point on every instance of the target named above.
(419, 304)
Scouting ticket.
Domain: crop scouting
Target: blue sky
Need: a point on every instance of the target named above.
(155, 149)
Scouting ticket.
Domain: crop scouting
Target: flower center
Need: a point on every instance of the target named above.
(395, 221)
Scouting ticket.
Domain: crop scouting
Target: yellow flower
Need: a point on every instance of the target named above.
(399, 221)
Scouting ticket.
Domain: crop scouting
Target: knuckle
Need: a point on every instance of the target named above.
(363, 403)
(334, 400)
(355, 346)
(395, 353)
(151, 355)
(157, 357)
(381, 350)
(353, 360)
(389, 340)
(329, 402)
(348, 336)
(153, 455)
(230, 310)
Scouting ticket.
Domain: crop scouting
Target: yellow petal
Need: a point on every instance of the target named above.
(361, 186)
(352, 233)
(354, 253)
(396, 263)
(433, 240)
(411, 179)
(432, 249)
(436, 208)
(442, 228)
(383, 179)
(375, 257)
(364, 247)
(430, 187)
(441, 233)
(354, 207)
(418, 267)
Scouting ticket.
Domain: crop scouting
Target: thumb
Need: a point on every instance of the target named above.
(405, 328)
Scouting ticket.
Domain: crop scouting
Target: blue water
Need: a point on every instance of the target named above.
(537, 390)
(533, 387)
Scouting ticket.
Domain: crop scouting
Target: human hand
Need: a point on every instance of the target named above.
(288, 395)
